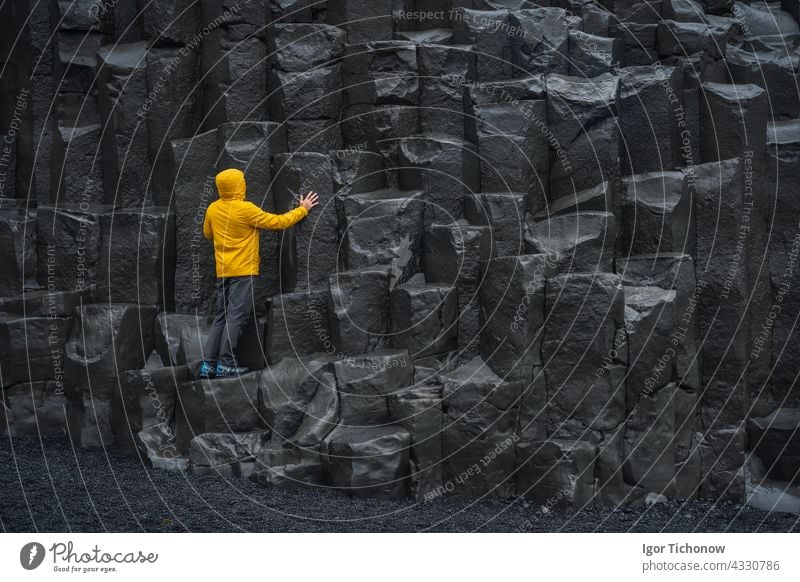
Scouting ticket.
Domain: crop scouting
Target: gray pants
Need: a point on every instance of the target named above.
(234, 306)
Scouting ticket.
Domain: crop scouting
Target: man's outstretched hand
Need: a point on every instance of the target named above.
(309, 201)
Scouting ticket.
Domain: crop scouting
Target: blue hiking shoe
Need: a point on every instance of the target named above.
(207, 371)
(224, 371)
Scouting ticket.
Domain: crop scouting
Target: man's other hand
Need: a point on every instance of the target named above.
(309, 201)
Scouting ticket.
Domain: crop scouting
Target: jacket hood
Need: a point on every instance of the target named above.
(231, 184)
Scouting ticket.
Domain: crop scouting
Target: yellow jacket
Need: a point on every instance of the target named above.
(233, 223)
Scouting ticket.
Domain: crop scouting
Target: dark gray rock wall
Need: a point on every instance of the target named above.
(555, 255)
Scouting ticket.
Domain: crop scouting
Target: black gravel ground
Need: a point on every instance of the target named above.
(47, 486)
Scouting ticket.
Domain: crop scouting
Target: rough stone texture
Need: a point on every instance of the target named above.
(582, 241)
(306, 257)
(478, 437)
(383, 227)
(193, 163)
(68, 245)
(774, 439)
(442, 99)
(557, 474)
(456, 157)
(445, 168)
(486, 31)
(32, 409)
(298, 325)
(424, 318)
(649, 322)
(512, 314)
(145, 398)
(585, 141)
(137, 256)
(224, 405)
(585, 350)
(106, 340)
(366, 383)
(299, 400)
(419, 411)
(18, 262)
(122, 94)
(504, 213)
(368, 461)
(452, 256)
(358, 310)
(649, 104)
(657, 214)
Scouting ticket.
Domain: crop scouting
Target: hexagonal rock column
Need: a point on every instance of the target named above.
(673, 271)
(775, 439)
(172, 22)
(357, 170)
(367, 382)
(307, 258)
(585, 350)
(583, 241)
(250, 147)
(650, 322)
(722, 221)
(32, 409)
(419, 411)
(137, 256)
(452, 256)
(77, 161)
(504, 213)
(364, 20)
(540, 40)
(378, 128)
(657, 214)
(228, 454)
(173, 106)
(445, 168)
(107, 339)
(773, 69)
(650, 105)
(227, 405)
(169, 329)
(193, 163)
(650, 442)
(443, 71)
(557, 474)
(424, 318)
(384, 227)
(722, 460)
(368, 461)
(145, 398)
(299, 400)
(591, 55)
(234, 66)
(507, 122)
(480, 411)
(487, 32)
(68, 245)
(18, 260)
(31, 347)
(512, 314)
(358, 310)
(122, 92)
(636, 23)
(783, 180)
(584, 133)
(381, 73)
(287, 467)
(734, 122)
(298, 325)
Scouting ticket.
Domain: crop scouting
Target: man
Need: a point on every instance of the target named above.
(234, 223)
